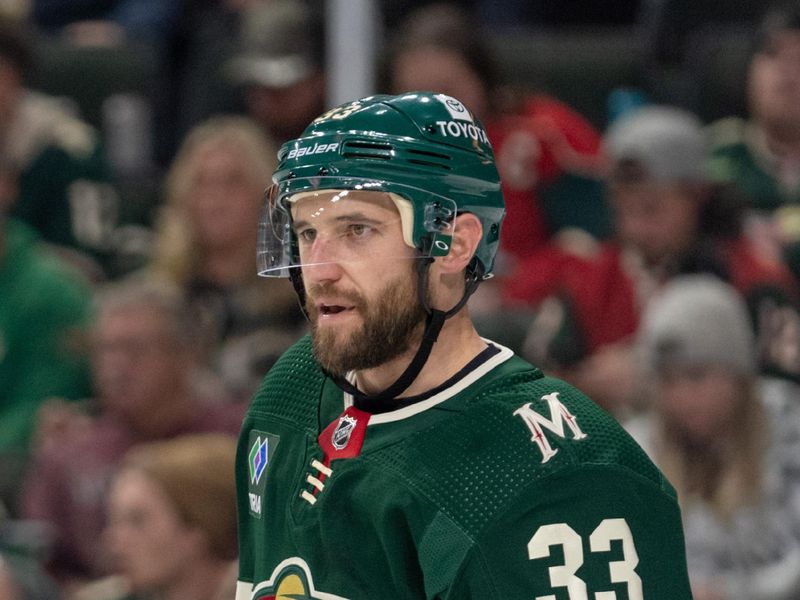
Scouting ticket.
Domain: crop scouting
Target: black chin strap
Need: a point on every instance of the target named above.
(433, 326)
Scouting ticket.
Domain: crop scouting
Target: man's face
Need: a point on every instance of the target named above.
(659, 221)
(359, 279)
(224, 199)
(774, 83)
(136, 360)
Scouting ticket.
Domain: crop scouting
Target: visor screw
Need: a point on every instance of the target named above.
(430, 129)
(291, 175)
(323, 171)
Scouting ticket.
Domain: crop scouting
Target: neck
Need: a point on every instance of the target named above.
(458, 343)
(202, 581)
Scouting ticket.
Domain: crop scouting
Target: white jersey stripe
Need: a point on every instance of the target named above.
(244, 590)
(460, 385)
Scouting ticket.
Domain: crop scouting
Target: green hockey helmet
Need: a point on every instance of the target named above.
(425, 150)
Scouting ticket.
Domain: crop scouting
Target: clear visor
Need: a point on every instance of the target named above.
(323, 220)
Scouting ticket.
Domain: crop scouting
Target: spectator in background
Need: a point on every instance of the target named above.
(44, 320)
(107, 21)
(670, 219)
(64, 186)
(171, 530)
(150, 386)
(205, 244)
(728, 440)
(761, 155)
(546, 153)
(675, 33)
(280, 65)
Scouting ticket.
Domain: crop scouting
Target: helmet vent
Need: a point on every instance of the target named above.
(359, 149)
(426, 158)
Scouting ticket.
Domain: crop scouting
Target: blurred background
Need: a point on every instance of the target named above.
(650, 157)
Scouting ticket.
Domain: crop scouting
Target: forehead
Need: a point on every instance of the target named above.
(320, 206)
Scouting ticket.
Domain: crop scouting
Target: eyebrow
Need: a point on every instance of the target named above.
(351, 218)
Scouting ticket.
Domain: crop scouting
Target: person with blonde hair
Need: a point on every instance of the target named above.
(726, 438)
(205, 240)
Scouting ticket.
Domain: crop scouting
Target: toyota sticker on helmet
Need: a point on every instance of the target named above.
(456, 109)
(459, 129)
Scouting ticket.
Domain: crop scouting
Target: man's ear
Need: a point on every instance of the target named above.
(466, 237)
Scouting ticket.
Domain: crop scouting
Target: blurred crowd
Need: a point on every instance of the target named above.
(650, 257)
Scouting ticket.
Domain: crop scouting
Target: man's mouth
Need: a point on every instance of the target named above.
(332, 309)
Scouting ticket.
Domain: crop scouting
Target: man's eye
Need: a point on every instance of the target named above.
(307, 235)
(358, 229)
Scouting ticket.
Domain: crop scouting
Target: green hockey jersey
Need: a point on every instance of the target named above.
(504, 484)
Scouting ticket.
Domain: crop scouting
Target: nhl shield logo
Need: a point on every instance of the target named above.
(344, 429)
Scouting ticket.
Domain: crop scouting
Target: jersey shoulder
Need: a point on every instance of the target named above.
(512, 435)
(291, 389)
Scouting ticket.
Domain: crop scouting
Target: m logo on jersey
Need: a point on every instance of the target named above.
(291, 580)
(341, 435)
(536, 422)
(262, 446)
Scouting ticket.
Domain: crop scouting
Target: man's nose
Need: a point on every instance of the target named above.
(321, 263)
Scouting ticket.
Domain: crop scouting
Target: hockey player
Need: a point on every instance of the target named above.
(394, 453)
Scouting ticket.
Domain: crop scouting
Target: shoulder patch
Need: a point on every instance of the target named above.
(537, 423)
(261, 448)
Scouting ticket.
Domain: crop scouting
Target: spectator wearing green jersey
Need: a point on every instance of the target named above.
(760, 155)
(65, 189)
(44, 316)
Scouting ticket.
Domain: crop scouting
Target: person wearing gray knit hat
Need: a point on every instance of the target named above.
(726, 436)
(698, 321)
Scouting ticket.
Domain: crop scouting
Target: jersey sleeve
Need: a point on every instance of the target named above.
(589, 532)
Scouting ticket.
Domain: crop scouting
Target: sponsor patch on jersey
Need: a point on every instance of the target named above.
(262, 446)
(291, 580)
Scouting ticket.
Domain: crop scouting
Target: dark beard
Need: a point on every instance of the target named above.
(392, 323)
